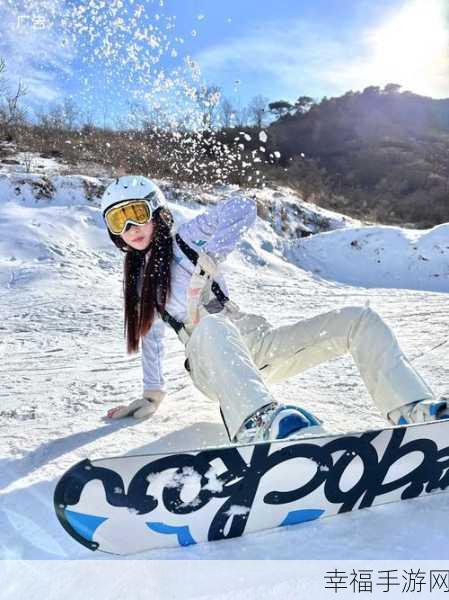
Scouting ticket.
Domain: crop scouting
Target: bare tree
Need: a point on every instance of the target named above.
(71, 114)
(227, 111)
(3, 84)
(12, 115)
(243, 117)
(87, 122)
(137, 117)
(15, 113)
(27, 161)
(258, 109)
(208, 98)
(61, 117)
(105, 111)
(56, 117)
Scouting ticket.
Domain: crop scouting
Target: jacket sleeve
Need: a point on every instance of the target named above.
(218, 230)
(153, 350)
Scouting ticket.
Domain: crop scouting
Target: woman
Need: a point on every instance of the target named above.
(173, 279)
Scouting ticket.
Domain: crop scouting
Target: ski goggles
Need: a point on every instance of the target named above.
(136, 212)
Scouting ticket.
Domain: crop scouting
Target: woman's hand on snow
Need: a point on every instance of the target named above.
(143, 408)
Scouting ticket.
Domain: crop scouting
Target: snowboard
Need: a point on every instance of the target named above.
(129, 504)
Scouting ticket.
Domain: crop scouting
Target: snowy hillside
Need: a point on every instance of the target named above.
(64, 362)
(379, 257)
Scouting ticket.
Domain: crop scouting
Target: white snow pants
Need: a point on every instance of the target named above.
(233, 355)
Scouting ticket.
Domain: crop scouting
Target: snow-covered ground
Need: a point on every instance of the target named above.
(64, 363)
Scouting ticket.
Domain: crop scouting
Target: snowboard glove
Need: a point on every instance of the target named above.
(140, 409)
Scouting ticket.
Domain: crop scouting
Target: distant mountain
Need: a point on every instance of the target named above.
(336, 124)
(385, 150)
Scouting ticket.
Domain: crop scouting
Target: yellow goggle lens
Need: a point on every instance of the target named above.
(137, 212)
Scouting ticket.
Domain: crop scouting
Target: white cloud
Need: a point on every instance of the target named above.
(33, 52)
(299, 57)
(294, 55)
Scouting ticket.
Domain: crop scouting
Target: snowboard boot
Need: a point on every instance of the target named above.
(278, 422)
(420, 411)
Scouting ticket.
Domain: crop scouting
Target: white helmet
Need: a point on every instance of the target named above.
(132, 187)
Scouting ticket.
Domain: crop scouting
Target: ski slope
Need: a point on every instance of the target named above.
(64, 363)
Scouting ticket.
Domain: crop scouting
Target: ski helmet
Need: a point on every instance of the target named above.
(132, 187)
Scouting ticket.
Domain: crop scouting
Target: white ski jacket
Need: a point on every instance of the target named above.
(215, 232)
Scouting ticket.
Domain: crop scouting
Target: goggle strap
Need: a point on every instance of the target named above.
(152, 201)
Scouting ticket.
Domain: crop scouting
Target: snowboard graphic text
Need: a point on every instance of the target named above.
(222, 493)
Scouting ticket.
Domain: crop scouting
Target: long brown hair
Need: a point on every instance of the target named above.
(146, 283)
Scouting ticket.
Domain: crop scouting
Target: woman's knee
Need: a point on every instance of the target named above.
(212, 328)
(364, 321)
(210, 325)
(355, 313)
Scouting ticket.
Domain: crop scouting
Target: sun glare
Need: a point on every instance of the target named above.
(412, 49)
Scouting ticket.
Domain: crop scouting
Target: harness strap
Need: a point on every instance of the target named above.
(174, 324)
(192, 255)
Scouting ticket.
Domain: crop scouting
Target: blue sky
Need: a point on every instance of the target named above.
(104, 53)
